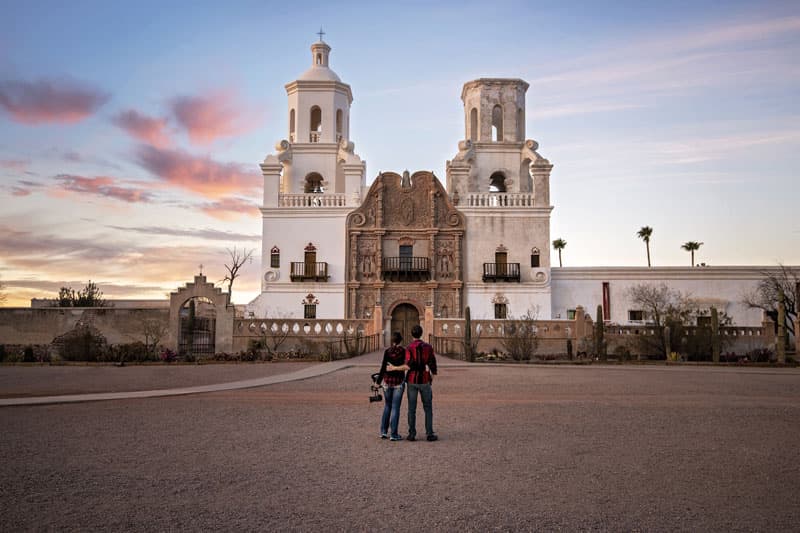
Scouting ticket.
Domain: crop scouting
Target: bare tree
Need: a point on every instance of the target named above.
(519, 336)
(237, 260)
(767, 293)
(153, 331)
(664, 308)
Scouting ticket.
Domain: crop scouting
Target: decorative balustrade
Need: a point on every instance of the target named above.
(497, 199)
(312, 200)
(501, 272)
(259, 327)
(314, 136)
(309, 271)
(406, 269)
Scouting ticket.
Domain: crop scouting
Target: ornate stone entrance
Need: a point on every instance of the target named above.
(405, 244)
(404, 317)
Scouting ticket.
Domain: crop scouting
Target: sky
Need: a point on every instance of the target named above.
(130, 133)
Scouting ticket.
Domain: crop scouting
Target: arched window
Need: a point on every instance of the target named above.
(497, 123)
(313, 183)
(473, 125)
(275, 257)
(319, 59)
(520, 125)
(291, 125)
(338, 124)
(315, 126)
(535, 258)
(497, 182)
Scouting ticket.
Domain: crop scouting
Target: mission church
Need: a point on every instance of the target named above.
(410, 249)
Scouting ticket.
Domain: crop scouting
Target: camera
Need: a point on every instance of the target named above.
(376, 389)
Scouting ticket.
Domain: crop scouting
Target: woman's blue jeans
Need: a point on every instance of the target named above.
(393, 397)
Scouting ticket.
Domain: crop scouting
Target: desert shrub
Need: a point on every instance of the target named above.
(168, 356)
(136, 352)
(520, 340)
(760, 355)
(622, 353)
(83, 343)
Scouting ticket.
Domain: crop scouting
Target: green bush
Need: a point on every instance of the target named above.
(84, 344)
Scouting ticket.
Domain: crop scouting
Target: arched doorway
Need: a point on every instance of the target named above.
(404, 317)
(198, 320)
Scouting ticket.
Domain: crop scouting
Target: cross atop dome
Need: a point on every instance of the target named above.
(320, 33)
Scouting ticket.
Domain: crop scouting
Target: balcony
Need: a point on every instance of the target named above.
(406, 269)
(312, 200)
(309, 272)
(501, 272)
(497, 200)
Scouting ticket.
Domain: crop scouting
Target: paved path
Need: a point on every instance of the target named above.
(371, 359)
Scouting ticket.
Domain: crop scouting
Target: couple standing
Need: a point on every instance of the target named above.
(419, 361)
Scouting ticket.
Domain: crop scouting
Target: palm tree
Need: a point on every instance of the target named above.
(559, 244)
(691, 246)
(645, 234)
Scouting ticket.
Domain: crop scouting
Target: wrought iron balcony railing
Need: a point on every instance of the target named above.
(406, 269)
(309, 272)
(501, 272)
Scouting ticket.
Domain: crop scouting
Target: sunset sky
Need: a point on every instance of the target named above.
(131, 132)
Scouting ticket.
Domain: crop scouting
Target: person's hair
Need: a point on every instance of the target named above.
(416, 331)
(397, 338)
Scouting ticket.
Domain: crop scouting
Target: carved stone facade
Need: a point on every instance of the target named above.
(406, 227)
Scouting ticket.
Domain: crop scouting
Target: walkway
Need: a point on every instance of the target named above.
(372, 359)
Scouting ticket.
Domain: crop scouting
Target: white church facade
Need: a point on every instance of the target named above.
(410, 246)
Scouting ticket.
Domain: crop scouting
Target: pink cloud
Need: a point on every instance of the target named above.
(14, 164)
(230, 208)
(142, 127)
(209, 117)
(199, 174)
(19, 191)
(102, 186)
(47, 101)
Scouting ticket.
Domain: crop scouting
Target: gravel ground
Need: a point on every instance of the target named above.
(36, 380)
(521, 448)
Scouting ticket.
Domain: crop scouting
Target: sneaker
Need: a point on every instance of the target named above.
(384, 436)
(396, 437)
(411, 438)
(432, 438)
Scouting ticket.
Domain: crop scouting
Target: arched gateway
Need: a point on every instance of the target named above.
(404, 252)
(200, 319)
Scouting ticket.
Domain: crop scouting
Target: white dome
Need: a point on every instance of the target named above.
(319, 73)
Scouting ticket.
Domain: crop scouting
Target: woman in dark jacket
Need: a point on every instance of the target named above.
(394, 384)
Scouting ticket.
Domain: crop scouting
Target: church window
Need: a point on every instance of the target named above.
(500, 311)
(275, 257)
(339, 124)
(635, 315)
(497, 123)
(520, 125)
(406, 256)
(319, 59)
(535, 262)
(473, 124)
(291, 125)
(316, 124)
(570, 314)
(497, 182)
(309, 311)
(313, 184)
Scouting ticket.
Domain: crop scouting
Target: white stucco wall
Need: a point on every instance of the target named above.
(722, 287)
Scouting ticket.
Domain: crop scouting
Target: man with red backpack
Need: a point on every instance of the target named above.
(421, 366)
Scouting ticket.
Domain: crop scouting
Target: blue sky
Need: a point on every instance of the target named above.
(130, 135)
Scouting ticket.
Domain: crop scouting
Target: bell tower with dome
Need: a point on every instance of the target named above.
(311, 182)
(502, 185)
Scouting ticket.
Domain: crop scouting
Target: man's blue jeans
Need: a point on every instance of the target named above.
(425, 391)
(391, 409)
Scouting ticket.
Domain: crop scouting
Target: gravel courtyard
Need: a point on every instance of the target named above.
(534, 447)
